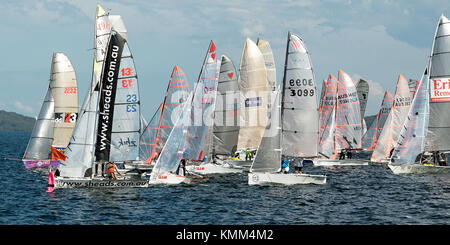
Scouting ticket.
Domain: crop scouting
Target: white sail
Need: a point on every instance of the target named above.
(363, 95)
(39, 145)
(438, 135)
(63, 84)
(126, 121)
(226, 117)
(348, 116)
(268, 155)
(255, 94)
(413, 86)
(299, 99)
(370, 138)
(203, 106)
(412, 137)
(394, 123)
(269, 62)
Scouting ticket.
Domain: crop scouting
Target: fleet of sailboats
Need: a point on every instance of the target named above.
(232, 115)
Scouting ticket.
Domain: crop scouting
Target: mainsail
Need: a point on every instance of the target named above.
(269, 61)
(39, 145)
(438, 135)
(348, 117)
(63, 84)
(394, 123)
(363, 95)
(370, 138)
(158, 130)
(327, 121)
(255, 94)
(413, 86)
(300, 116)
(226, 113)
(412, 137)
(203, 102)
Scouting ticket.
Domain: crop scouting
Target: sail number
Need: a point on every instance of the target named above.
(131, 98)
(66, 117)
(301, 92)
(131, 108)
(70, 90)
(127, 83)
(126, 71)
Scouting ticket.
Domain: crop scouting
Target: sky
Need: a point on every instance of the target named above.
(374, 40)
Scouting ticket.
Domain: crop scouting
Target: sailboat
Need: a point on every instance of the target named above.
(187, 140)
(425, 132)
(57, 117)
(254, 100)
(223, 138)
(109, 121)
(343, 129)
(394, 122)
(157, 131)
(370, 138)
(291, 130)
(363, 95)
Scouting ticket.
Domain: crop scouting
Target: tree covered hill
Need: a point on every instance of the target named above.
(11, 121)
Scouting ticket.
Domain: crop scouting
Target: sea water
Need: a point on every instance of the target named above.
(352, 195)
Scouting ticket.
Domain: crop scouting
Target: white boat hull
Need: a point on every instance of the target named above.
(285, 179)
(211, 168)
(62, 182)
(244, 165)
(347, 162)
(173, 179)
(418, 169)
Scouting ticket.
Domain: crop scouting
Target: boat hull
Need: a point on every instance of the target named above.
(244, 165)
(61, 182)
(211, 168)
(418, 169)
(40, 163)
(348, 162)
(285, 179)
(174, 179)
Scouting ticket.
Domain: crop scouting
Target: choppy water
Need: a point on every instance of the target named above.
(358, 195)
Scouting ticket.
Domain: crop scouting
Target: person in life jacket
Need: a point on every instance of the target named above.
(248, 155)
(111, 169)
(285, 165)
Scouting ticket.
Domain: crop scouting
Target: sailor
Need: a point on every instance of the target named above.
(349, 154)
(342, 155)
(285, 165)
(111, 169)
(298, 165)
(248, 155)
(181, 168)
(442, 159)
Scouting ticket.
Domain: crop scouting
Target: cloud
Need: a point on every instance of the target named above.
(23, 108)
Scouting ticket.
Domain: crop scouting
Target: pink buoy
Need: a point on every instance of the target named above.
(51, 182)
